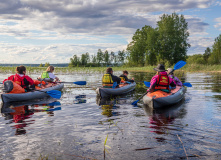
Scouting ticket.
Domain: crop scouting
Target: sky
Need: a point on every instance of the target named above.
(40, 31)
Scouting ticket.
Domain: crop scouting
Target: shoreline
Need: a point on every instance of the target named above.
(192, 68)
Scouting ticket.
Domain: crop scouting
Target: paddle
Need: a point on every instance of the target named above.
(53, 93)
(179, 65)
(77, 82)
(147, 83)
(187, 84)
(135, 102)
(114, 85)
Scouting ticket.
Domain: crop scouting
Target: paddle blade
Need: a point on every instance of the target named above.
(114, 85)
(54, 94)
(56, 103)
(147, 83)
(179, 65)
(53, 109)
(187, 84)
(80, 82)
(135, 102)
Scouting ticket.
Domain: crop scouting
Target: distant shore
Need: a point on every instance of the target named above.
(65, 70)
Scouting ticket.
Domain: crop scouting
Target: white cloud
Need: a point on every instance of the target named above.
(218, 25)
(84, 25)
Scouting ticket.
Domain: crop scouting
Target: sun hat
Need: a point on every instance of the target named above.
(160, 68)
(170, 70)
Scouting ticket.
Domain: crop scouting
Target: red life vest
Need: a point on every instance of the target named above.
(163, 82)
(22, 81)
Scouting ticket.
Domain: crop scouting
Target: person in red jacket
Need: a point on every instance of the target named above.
(23, 80)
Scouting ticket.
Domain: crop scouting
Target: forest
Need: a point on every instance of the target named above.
(165, 44)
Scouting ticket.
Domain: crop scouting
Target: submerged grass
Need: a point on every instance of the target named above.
(89, 70)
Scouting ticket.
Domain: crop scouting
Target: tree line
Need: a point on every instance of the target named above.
(167, 43)
(100, 59)
(211, 55)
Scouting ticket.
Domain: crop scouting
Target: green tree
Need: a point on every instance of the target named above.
(106, 57)
(94, 59)
(215, 57)
(172, 39)
(41, 65)
(152, 48)
(112, 56)
(74, 61)
(85, 58)
(196, 59)
(99, 56)
(137, 47)
(207, 54)
(47, 64)
(121, 56)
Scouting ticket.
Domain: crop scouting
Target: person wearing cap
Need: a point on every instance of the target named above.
(108, 79)
(170, 73)
(161, 81)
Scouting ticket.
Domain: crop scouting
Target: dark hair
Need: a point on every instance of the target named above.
(109, 70)
(20, 69)
(125, 72)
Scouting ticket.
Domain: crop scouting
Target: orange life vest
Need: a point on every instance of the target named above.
(163, 82)
(12, 87)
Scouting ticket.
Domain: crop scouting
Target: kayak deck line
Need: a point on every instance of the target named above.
(16, 97)
(122, 89)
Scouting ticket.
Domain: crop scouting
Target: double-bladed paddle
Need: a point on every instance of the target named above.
(53, 93)
(77, 82)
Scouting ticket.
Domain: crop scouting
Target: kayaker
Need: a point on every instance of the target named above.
(161, 81)
(170, 73)
(108, 79)
(48, 75)
(124, 77)
(22, 79)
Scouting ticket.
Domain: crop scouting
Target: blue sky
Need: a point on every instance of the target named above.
(39, 31)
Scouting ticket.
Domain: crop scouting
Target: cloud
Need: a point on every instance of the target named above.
(87, 16)
(60, 53)
(53, 31)
(196, 26)
(218, 25)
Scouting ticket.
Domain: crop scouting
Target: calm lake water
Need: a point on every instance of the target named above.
(76, 127)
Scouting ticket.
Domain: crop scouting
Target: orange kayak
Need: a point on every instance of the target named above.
(159, 99)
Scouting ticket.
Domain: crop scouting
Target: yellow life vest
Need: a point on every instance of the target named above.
(45, 75)
(107, 80)
(122, 78)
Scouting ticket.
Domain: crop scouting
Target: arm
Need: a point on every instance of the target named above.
(178, 82)
(116, 79)
(31, 82)
(9, 78)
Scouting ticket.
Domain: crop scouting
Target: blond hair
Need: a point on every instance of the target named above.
(50, 69)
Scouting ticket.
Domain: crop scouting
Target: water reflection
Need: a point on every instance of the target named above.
(161, 120)
(108, 106)
(21, 112)
(80, 99)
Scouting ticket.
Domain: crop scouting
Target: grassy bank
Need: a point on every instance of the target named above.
(66, 70)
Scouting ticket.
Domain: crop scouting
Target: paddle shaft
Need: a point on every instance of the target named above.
(143, 95)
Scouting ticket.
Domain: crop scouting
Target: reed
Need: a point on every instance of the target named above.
(83, 70)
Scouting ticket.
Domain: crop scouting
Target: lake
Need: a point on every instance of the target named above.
(78, 125)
